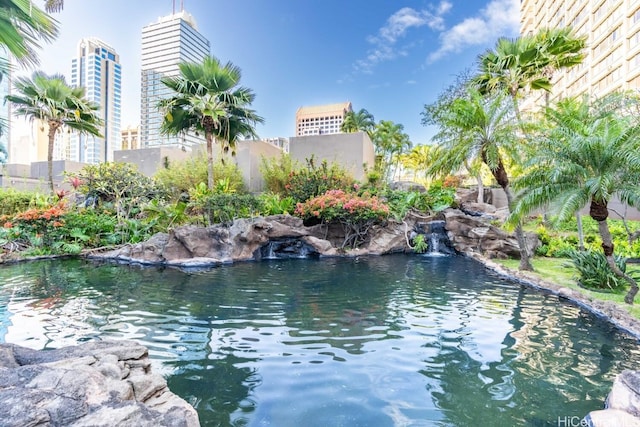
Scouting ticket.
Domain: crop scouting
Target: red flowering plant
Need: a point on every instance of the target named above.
(35, 226)
(356, 213)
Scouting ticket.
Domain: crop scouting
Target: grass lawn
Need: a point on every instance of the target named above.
(561, 272)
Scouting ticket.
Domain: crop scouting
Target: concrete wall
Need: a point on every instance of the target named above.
(150, 160)
(352, 151)
(248, 157)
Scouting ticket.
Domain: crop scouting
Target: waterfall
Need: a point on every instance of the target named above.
(436, 237)
(285, 249)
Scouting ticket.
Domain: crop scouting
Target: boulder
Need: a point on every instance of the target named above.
(100, 383)
(622, 407)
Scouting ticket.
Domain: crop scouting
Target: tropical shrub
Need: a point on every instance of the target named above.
(594, 272)
(119, 184)
(219, 208)
(356, 213)
(435, 199)
(276, 171)
(274, 204)
(313, 180)
(180, 177)
(14, 201)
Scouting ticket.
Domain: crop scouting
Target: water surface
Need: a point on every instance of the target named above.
(383, 341)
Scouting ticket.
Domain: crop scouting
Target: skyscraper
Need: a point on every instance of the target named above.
(165, 44)
(97, 69)
(321, 119)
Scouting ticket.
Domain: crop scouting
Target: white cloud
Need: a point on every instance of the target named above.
(499, 18)
(385, 42)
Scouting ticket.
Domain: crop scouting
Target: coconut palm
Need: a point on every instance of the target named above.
(209, 100)
(361, 121)
(590, 154)
(51, 101)
(479, 128)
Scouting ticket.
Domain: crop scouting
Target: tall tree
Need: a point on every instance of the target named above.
(209, 100)
(360, 121)
(51, 101)
(589, 154)
(479, 128)
(389, 141)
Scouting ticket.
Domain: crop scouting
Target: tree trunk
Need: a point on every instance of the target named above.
(500, 174)
(607, 248)
(209, 138)
(480, 198)
(53, 128)
(580, 231)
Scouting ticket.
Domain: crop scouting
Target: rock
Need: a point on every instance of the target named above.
(100, 383)
(477, 234)
(622, 407)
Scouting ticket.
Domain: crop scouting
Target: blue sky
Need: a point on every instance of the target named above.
(389, 57)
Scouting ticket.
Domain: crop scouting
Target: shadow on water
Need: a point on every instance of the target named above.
(381, 341)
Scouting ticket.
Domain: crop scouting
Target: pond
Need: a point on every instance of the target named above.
(383, 341)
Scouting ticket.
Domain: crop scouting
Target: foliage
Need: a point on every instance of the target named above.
(390, 143)
(435, 199)
(120, 184)
(420, 245)
(183, 176)
(274, 204)
(223, 207)
(161, 217)
(56, 105)
(13, 201)
(276, 172)
(313, 180)
(355, 213)
(594, 271)
(360, 121)
(208, 100)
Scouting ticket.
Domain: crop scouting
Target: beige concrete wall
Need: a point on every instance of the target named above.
(40, 170)
(352, 151)
(248, 157)
(150, 160)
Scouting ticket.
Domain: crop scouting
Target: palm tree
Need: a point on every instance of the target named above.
(22, 27)
(361, 121)
(590, 154)
(419, 158)
(51, 101)
(208, 99)
(528, 62)
(479, 128)
(52, 6)
(389, 141)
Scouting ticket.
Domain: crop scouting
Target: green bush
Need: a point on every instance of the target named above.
(313, 180)
(219, 208)
(275, 172)
(435, 199)
(273, 204)
(14, 201)
(120, 185)
(182, 176)
(594, 272)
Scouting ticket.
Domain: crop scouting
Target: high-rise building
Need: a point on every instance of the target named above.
(166, 43)
(321, 119)
(97, 69)
(130, 138)
(612, 28)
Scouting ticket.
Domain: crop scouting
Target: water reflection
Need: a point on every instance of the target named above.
(393, 340)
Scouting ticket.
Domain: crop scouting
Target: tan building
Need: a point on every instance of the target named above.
(130, 138)
(321, 119)
(612, 28)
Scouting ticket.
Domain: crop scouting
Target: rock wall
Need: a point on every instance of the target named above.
(247, 238)
(101, 383)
